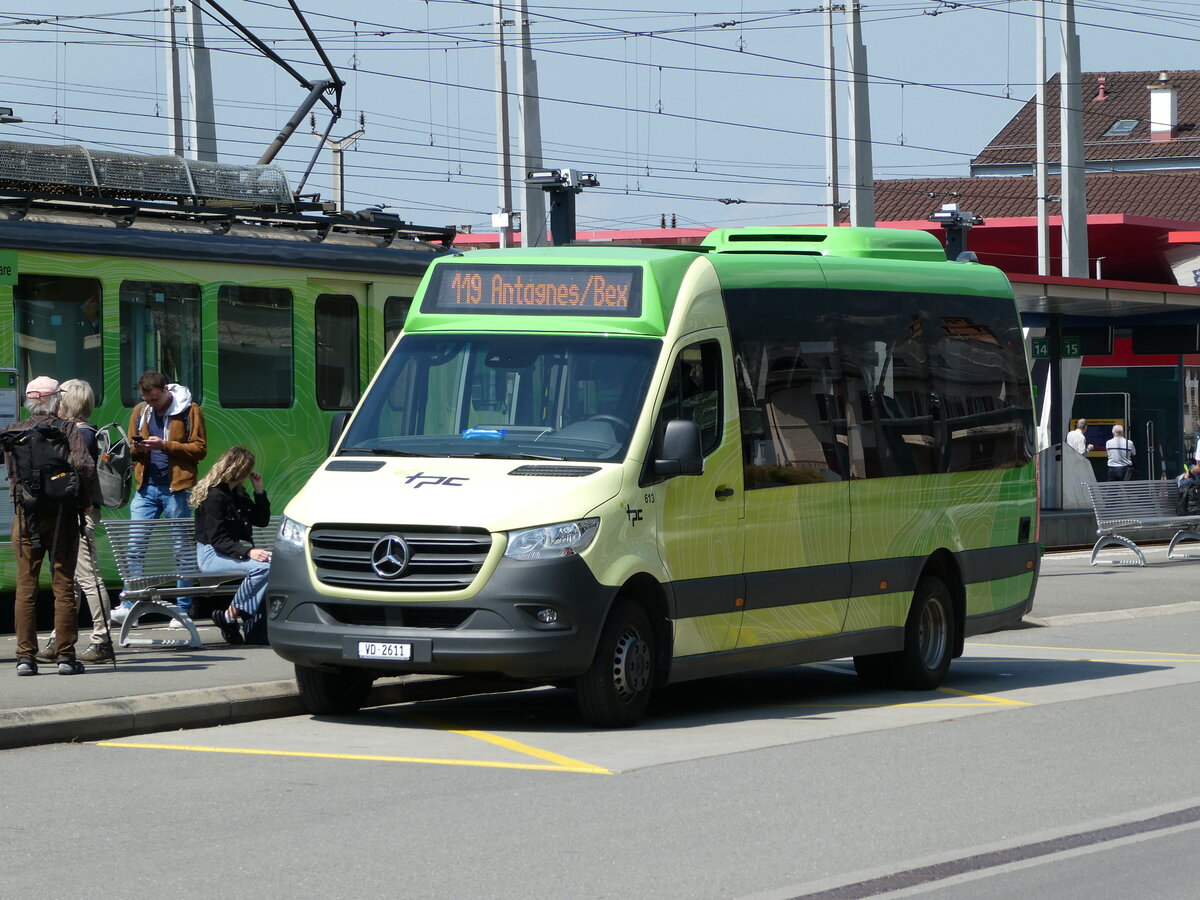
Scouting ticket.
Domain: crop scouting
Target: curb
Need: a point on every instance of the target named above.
(95, 720)
(1115, 615)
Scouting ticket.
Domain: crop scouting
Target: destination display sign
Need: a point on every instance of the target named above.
(535, 290)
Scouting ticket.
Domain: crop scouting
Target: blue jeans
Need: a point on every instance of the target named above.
(249, 596)
(154, 501)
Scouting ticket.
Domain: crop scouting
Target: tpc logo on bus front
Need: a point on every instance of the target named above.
(420, 479)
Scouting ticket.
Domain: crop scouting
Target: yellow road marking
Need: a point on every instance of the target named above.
(568, 766)
(564, 762)
(1002, 701)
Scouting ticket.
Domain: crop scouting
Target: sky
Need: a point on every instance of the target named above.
(712, 116)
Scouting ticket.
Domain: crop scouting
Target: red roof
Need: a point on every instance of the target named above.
(1124, 96)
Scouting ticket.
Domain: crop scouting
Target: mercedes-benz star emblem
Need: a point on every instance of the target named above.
(389, 556)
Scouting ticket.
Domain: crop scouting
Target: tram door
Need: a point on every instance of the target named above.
(340, 321)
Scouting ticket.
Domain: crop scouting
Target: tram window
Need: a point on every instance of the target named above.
(336, 319)
(395, 311)
(57, 328)
(160, 332)
(254, 347)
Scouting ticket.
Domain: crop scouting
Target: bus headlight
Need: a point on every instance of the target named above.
(292, 533)
(552, 541)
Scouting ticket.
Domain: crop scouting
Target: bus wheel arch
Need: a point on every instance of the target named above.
(615, 689)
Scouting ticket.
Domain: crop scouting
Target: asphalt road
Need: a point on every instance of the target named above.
(1054, 762)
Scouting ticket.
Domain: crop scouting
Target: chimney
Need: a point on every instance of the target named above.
(1163, 109)
(1101, 89)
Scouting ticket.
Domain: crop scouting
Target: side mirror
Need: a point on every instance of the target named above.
(336, 427)
(680, 451)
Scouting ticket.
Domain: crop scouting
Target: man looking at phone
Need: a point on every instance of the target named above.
(167, 440)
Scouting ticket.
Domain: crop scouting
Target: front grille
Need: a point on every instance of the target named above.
(397, 616)
(440, 558)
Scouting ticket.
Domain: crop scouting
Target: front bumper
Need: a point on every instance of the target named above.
(495, 632)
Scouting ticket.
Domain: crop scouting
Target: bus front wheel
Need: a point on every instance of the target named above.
(333, 692)
(615, 689)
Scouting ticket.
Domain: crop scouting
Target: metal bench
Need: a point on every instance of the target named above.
(153, 556)
(1127, 507)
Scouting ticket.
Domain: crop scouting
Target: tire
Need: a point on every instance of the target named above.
(615, 689)
(875, 670)
(333, 692)
(928, 638)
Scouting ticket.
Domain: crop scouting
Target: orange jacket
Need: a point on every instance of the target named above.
(186, 445)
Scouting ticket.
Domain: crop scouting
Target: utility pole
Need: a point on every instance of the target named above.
(503, 220)
(339, 173)
(533, 200)
(1042, 179)
(174, 93)
(202, 121)
(1074, 199)
(862, 204)
(831, 150)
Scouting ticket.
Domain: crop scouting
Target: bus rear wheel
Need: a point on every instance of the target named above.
(333, 692)
(928, 643)
(614, 691)
(928, 637)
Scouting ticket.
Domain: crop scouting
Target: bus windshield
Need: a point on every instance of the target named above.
(507, 396)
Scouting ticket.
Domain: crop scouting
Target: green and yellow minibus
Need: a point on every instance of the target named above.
(616, 468)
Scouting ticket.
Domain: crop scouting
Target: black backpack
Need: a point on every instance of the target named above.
(41, 470)
(1188, 503)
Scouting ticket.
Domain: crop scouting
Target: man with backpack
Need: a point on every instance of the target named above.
(50, 481)
(168, 441)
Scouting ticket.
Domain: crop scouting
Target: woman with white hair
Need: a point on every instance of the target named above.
(76, 401)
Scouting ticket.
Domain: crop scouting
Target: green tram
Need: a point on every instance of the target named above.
(274, 318)
(617, 468)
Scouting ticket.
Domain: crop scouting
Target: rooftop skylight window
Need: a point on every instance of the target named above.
(1121, 128)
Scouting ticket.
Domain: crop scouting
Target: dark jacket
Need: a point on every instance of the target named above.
(225, 519)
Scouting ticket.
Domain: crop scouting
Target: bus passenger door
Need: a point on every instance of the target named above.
(700, 524)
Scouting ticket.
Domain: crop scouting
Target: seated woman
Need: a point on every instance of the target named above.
(225, 514)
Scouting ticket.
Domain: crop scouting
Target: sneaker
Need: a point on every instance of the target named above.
(119, 615)
(175, 623)
(98, 652)
(47, 653)
(27, 666)
(67, 666)
(229, 630)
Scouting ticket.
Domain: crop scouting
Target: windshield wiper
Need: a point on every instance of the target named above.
(482, 455)
(377, 451)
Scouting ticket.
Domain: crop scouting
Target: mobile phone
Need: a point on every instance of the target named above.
(137, 438)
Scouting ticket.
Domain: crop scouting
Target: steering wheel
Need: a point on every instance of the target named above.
(619, 425)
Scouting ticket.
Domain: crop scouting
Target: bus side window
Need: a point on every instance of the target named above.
(694, 392)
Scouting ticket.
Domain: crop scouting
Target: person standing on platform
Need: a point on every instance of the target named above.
(168, 440)
(50, 481)
(1077, 439)
(75, 405)
(1120, 456)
